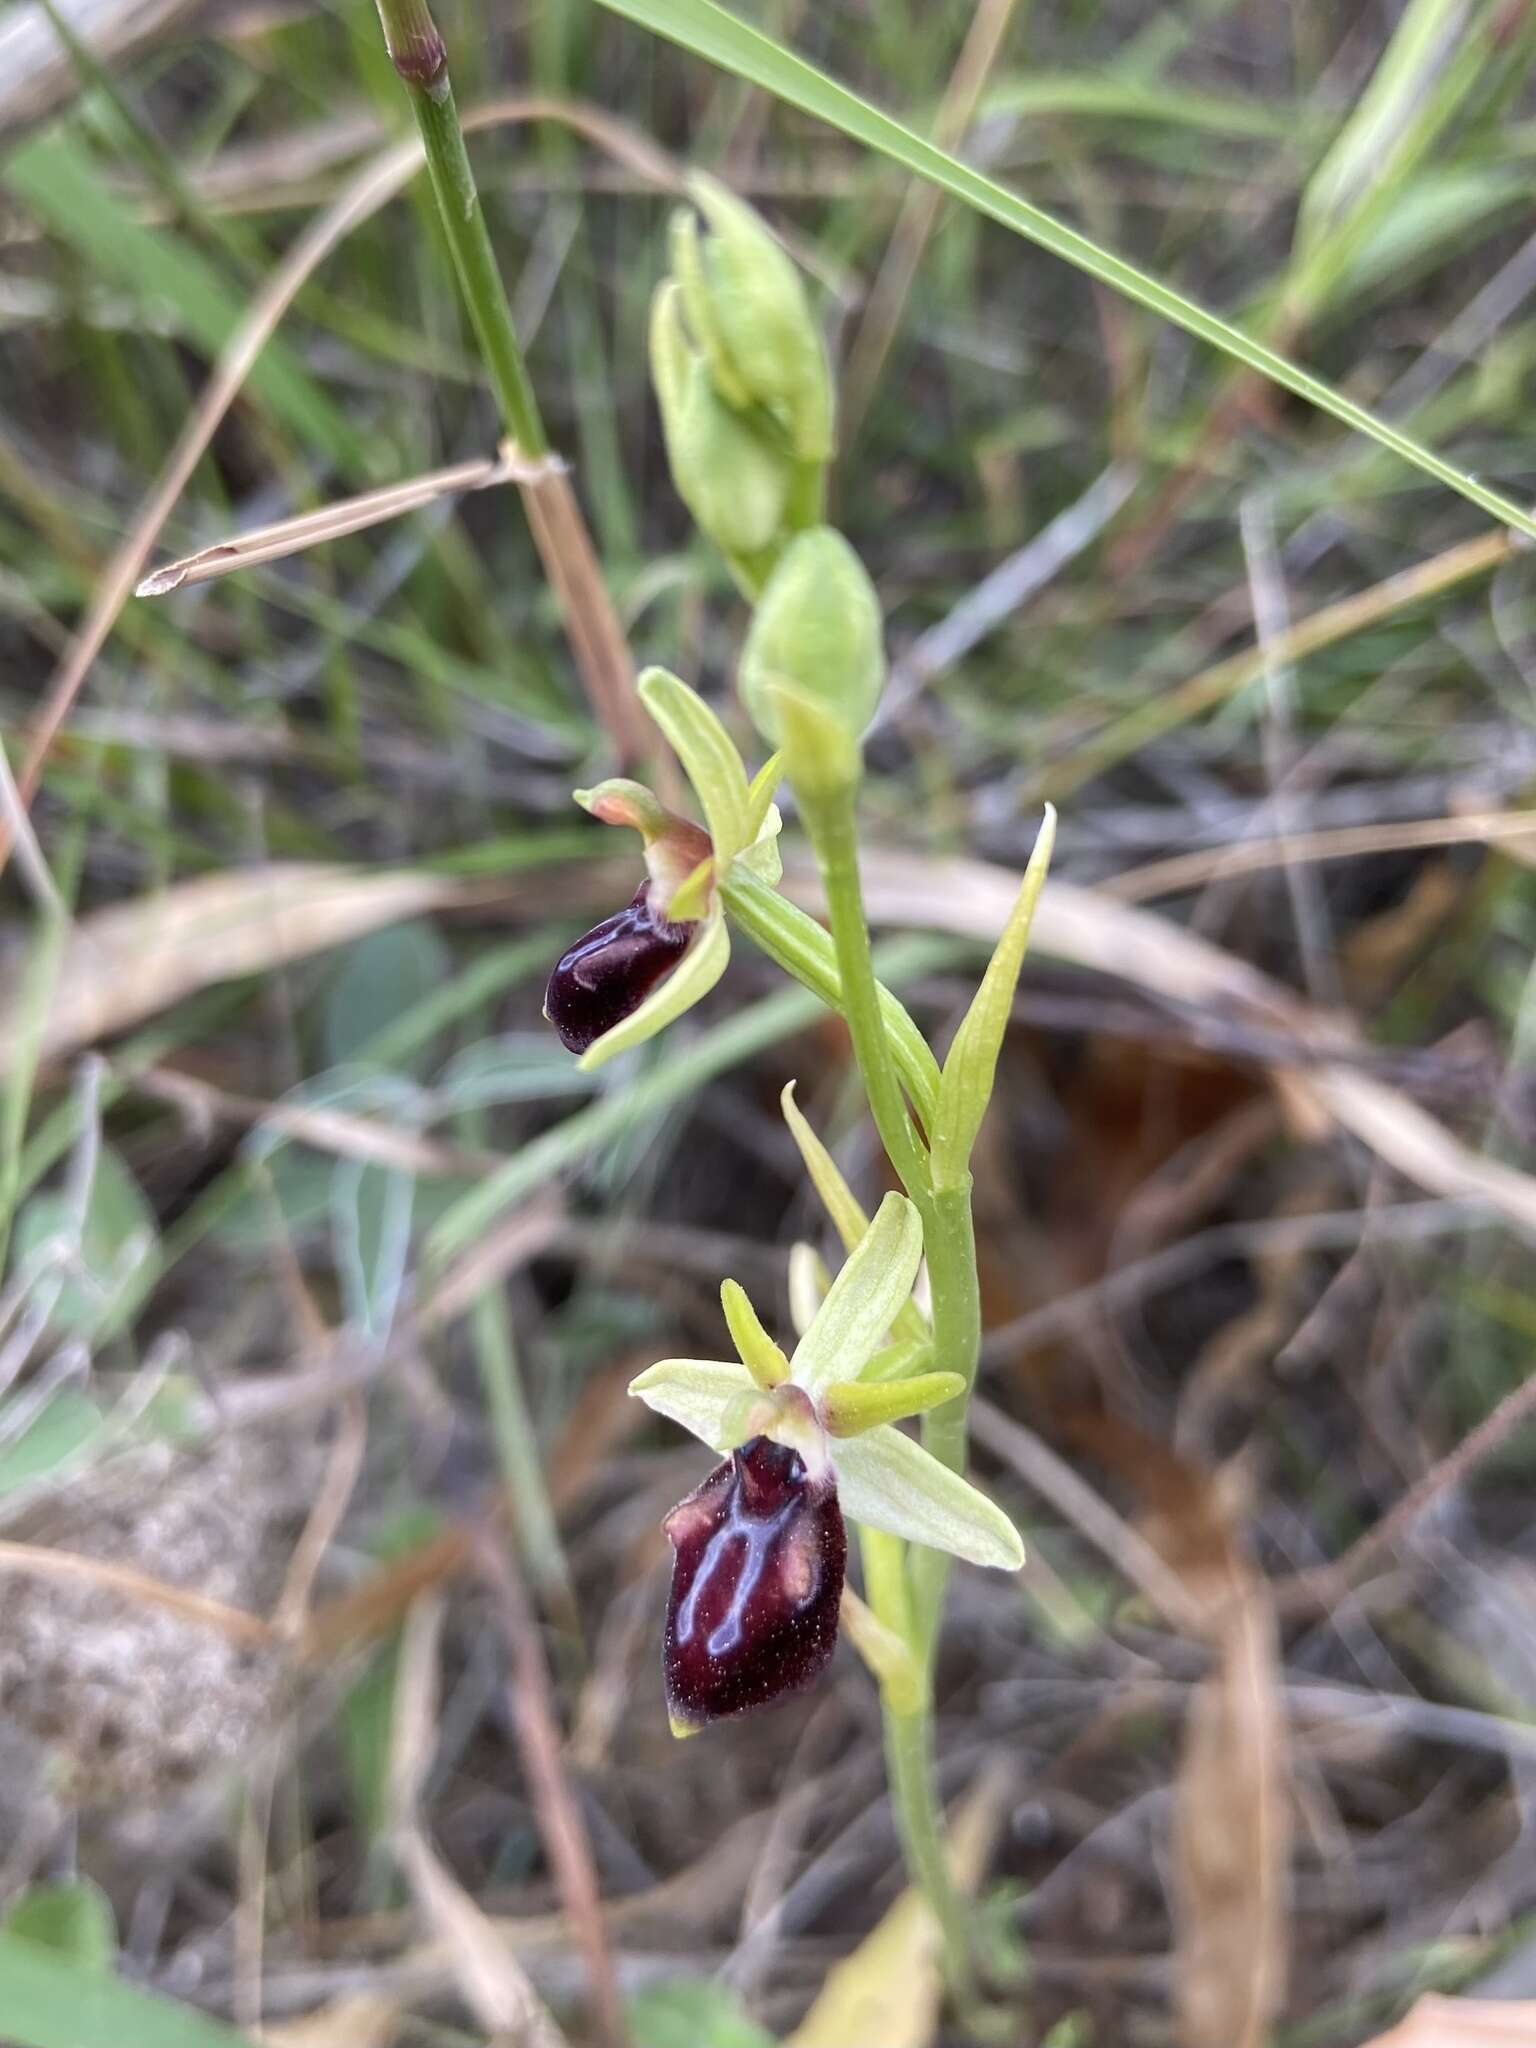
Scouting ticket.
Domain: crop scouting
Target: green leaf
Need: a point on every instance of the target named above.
(73, 1920)
(965, 1086)
(864, 1300)
(386, 974)
(890, 1482)
(722, 38)
(689, 2012)
(707, 753)
(113, 1242)
(58, 180)
(48, 2001)
(703, 1395)
(689, 982)
(61, 1429)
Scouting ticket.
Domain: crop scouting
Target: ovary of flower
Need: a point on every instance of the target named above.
(884, 1478)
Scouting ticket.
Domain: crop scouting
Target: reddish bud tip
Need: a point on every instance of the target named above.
(607, 975)
(757, 1579)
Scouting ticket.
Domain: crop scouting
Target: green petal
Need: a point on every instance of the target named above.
(865, 1299)
(889, 1481)
(693, 977)
(965, 1086)
(762, 858)
(857, 1406)
(759, 1354)
(704, 747)
(704, 1395)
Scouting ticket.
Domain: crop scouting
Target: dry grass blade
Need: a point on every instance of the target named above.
(489, 1977)
(1462, 2023)
(332, 522)
(361, 2020)
(136, 959)
(1084, 926)
(1231, 1837)
(1515, 831)
(236, 1623)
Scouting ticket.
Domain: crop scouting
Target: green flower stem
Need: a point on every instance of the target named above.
(830, 820)
(949, 1238)
(914, 1608)
(793, 940)
(909, 1748)
(417, 52)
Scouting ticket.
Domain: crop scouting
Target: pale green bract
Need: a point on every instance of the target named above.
(885, 1479)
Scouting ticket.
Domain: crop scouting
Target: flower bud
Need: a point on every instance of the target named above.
(757, 1578)
(607, 975)
(733, 480)
(817, 638)
(761, 322)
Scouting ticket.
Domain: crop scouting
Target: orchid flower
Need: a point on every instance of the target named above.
(639, 970)
(758, 1546)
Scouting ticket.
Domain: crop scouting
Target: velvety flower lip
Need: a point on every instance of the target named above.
(759, 1559)
(610, 971)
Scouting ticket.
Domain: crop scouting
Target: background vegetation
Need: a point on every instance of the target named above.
(330, 1566)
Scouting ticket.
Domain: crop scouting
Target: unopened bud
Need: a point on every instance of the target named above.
(731, 477)
(816, 644)
(746, 298)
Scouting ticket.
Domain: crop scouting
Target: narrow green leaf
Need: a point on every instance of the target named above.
(74, 1920)
(722, 38)
(965, 1086)
(48, 2001)
(58, 180)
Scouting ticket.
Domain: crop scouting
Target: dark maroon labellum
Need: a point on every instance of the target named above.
(607, 975)
(756, 1583)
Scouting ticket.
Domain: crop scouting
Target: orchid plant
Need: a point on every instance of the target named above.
(811, 1439)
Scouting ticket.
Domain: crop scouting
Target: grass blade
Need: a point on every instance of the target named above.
(723, 39)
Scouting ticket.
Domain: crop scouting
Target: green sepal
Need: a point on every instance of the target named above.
(864, 1300)
(706, 751)
(845, 1210)
(970, 1071)
(858, 1405)
(757, 1350)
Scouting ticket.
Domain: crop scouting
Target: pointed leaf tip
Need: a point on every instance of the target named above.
(970, 1071)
